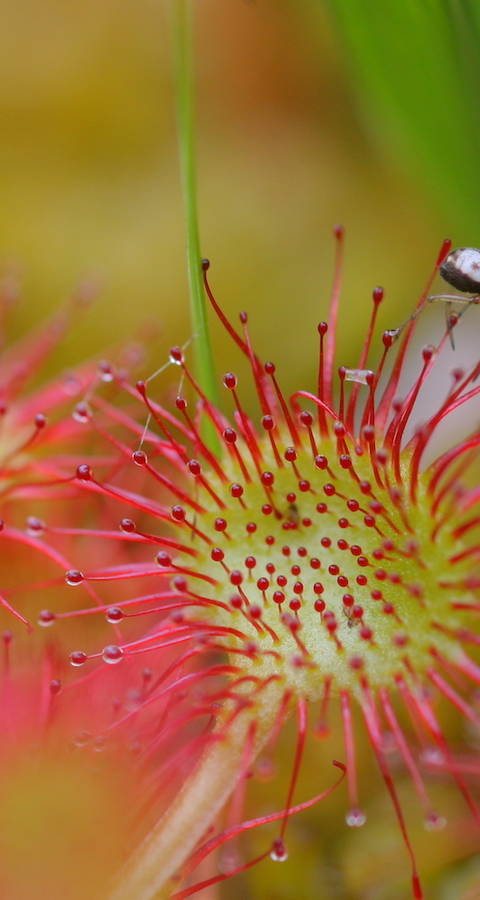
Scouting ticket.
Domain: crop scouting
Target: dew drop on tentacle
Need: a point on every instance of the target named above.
(355, 818)
(35, 526)
(279, 851)
(78, 658)
(434, 822)
(46, 618)
(73, 577)
(105, 371)
(81, 739)
(112, 654)
(114, 615)
(176, 356)
(82, 413)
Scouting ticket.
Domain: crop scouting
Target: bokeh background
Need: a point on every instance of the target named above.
(288, 146)
(309, 114)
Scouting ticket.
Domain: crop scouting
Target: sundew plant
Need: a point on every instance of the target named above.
(313, 561)
(233, 574)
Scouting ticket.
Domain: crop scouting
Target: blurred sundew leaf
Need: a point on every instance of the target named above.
(416, 68)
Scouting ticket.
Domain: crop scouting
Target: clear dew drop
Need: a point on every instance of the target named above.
(392, 333)
(78, 658)
(388, 742)
(105, 372)
(35, 527)
(358, 375)
(46, 618)
(265, 769)
(229, 861)
(434, 822)
(133, 699)
(278, 852)
(355, 818)
(432, 756)
(71, 385)
(114, 615)
(112, 654)
(73, 577)
(82, 413)
(81, 739)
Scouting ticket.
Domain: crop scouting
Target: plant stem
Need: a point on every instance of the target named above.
(167, 847)
(184, 77)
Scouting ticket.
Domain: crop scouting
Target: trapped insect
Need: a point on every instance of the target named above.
(461, 269)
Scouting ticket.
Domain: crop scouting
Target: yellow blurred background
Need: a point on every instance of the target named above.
(90, 184)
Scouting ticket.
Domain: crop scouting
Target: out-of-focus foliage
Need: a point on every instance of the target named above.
(417, 69)
(89, 172)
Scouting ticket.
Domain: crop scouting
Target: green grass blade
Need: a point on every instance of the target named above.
(417, 65)
(184, 71)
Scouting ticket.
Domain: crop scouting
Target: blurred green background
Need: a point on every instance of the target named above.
(90, 184)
